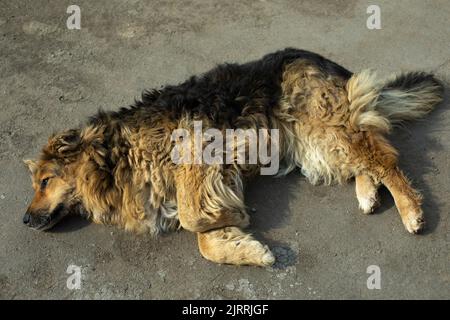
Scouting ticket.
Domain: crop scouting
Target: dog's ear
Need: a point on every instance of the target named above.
(64, 145)
(32, 165)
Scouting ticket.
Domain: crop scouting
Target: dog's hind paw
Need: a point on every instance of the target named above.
(414, 224)
(368, 204)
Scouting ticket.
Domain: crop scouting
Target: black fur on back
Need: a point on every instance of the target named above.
(227, 91)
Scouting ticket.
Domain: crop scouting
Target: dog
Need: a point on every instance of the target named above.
(332, 124)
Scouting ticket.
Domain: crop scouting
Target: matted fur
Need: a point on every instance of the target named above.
(332, 124)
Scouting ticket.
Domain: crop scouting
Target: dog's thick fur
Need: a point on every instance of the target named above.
(332, 123)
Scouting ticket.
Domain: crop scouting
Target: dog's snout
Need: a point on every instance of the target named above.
(26, 218)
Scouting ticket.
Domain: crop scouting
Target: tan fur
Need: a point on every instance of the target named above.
(232, 245)
(331, 128)
(338, 133)
(366, 193)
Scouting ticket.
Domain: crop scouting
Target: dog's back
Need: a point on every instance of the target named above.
(231, 91)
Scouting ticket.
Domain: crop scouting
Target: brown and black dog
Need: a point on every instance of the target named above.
(332, 124)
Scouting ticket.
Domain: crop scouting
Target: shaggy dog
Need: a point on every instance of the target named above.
(332, 124)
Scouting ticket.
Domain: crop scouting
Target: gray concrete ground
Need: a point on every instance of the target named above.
(52, 78)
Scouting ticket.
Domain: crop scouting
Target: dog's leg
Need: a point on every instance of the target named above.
(232, 246)
(366, 192)
(381, 164)
(407, 200)
(209, 197)
(210, 202)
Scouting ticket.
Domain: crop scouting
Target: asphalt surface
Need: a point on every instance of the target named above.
(52, 78)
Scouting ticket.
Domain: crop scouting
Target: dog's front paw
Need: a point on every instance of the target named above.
(268, 258)
(253, 252)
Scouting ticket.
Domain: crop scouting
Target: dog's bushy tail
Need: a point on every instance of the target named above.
(377, 104)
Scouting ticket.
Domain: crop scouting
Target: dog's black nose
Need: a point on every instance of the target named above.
(26, 218)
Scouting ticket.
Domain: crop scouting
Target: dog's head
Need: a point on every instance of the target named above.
(53, 182)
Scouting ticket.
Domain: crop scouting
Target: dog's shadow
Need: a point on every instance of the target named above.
(267, 200)
(71, 223)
